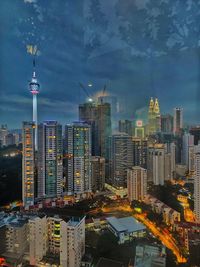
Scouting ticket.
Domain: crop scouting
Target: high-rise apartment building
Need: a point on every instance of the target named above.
(28, 163)
(120, 158)
(37, 239)
(43, 240)
(178, 121)
(50, 160)
(97, 173)
(67, 240)
(78, 148)
(16, 238)
(188, 141)
(160, 163)
(140, 152)
(136, 183)
(3, 134)
(156, 164)
(197, 182)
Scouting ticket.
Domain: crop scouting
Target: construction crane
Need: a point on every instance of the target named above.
(86, 92)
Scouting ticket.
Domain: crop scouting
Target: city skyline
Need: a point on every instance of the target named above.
(100, 133)
(166, 67)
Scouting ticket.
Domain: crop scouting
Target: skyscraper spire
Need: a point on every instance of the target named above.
(156, 107)
(151, 105)
(34, 89)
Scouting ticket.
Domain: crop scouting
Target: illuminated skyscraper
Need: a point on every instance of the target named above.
(151, 127)
(28, 163)
(178, 121)
(157, 116)
(78, 148)
(34, 89)
(154, 121)
(50, 160)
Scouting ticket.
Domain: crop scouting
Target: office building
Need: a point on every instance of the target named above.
(136, 183)
(139, 129)
(178, 121)
(188, 141)
(78, 148)
(50, 160)
(97, 173)
(154, 120)
(167, 123)
(120, 158)
(125, 126)
(28, 163)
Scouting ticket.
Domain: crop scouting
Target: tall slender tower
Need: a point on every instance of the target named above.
(34, 89)
(151, 116)
(157, 116)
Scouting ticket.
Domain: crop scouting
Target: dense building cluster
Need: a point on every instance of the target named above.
(37, 238)
(78, 159)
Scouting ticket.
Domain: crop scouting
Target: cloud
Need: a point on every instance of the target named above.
(30, 1)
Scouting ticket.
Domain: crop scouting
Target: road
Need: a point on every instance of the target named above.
(166, 239)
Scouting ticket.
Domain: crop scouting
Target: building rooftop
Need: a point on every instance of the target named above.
(103, 262)
(126, 224)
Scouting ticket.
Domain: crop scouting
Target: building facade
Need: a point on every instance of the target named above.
(197, 183)
(78, 148)
(178, 121)
(97, 173)
(28, 163)
(50, 160)
(120, 158)
(136, 183)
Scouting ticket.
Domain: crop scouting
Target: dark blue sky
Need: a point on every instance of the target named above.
(140, 48)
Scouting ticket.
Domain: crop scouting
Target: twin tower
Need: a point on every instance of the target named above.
(154, 119)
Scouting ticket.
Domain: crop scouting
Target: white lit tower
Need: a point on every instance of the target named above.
(34, 89)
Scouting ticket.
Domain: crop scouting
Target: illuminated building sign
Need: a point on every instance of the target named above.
(139, 123)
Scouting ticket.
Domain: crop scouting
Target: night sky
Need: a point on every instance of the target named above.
(139, 48)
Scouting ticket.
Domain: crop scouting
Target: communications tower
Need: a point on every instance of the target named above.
(34, 89)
